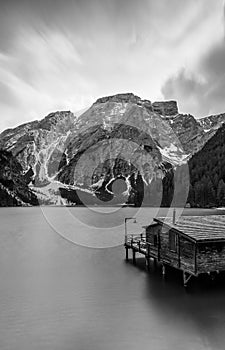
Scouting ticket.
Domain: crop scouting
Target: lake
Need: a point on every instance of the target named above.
(65, 285)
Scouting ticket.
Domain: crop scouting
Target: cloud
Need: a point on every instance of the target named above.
(65, 54)
(7, 96)
(202, 91)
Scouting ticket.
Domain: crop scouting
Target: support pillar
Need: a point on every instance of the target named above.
(134, 257)
(147, 263)
(127, 254)
(186, 278)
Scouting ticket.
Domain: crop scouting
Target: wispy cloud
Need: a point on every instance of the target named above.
(201, 90)
(65, 54)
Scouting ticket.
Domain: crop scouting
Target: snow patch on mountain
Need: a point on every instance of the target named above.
(173, 154)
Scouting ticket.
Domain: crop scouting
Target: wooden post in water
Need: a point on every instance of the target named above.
(148, 256)
(186, 278)
(134, 257)
(147, 263)
(127, 253)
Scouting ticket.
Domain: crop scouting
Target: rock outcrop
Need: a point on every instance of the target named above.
(189, 132)
(212, 122)
(165, 108)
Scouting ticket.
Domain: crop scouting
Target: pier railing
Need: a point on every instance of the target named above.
(136, 238)
(137, 241)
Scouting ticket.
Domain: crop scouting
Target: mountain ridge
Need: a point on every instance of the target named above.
(122, 125)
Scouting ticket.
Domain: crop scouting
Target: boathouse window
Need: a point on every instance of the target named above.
(172, 241)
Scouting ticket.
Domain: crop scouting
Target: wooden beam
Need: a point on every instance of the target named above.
(127, 254)
(186, 278)
(147, 263)
(178, 241)
(159, 246)
(196, 247)
(134, 257)
(148, 249)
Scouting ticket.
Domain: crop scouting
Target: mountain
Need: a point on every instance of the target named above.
(120, 137)
(38, 143)
(14, 190)
(118, 149)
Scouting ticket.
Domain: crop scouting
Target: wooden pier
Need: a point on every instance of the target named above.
(195, 245)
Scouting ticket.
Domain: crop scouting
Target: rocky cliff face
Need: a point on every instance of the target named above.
(165, 108)
(38, 143)
(212, 122)
(14, 190)
(189, 132)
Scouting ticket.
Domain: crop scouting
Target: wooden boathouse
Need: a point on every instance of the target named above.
(194, 244)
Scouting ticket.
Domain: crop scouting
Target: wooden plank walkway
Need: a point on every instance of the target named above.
(138, 244)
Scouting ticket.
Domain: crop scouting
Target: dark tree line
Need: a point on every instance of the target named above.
(207, 173)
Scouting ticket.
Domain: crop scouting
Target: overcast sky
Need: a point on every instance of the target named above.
(62, 55)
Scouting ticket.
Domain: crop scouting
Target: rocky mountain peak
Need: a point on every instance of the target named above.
(125, 97)
(58, 115)
(66, 118)
(164, 108)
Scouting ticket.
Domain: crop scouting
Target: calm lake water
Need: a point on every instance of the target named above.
(59, 295)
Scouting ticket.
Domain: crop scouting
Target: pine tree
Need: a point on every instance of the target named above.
(191, 196)
(211, 194)
(221, 193)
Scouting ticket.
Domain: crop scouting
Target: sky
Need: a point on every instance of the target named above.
(63, 55)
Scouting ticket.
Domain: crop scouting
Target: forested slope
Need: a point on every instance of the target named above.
(207, 173)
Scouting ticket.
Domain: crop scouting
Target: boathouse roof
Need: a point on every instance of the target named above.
(209, 228)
